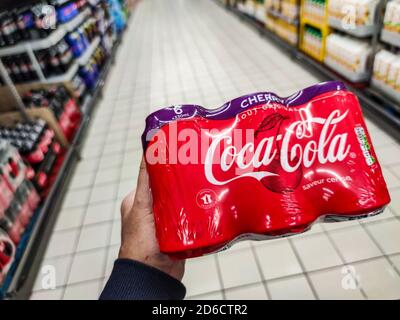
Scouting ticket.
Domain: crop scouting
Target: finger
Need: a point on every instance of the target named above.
(143, 195)
(127, 203)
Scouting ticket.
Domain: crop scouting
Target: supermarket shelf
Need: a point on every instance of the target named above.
(84, 58)
(282, 17)
(312, 23)
(392, 38)
(351, 76)
(312, 54)
(33, 252)
(75, 22)
(373, 102)
(73, 69)
(64, 77)
(358, 31)
(24, 276)
(390, 92)
(51, 40)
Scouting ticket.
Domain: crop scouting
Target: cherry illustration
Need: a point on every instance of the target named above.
(283, 181)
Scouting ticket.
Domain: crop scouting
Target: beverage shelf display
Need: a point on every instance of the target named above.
(345, 72)
(390, 37)
(259, 11)
(84, 58)
(282, 18)
(74, 60)
(354, 17)
(314, 28)
(278, 15)
(348, 56)
(389, 91)
(51, 40)
(352, 56)
(356, 31)
(386, 74)
(391, 24)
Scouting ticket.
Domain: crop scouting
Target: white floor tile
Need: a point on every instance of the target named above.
(238, 268)
(76, 198)
(55, 294)
(207, 296)
(83, 180)
(316, 252)
(99, 212)
(201, 276)
(387, 234)
(94, 236)
(329, 226)
(354, 244)
(396, 261)
(83, 291)
(388, 155)
(395, 169)
(110, 161)
(115, 233)
(103, 193)
(112, 255)
(251, 292)
(395, 203)
(385, 215)
(291, 288)
(62, 243)
(59, 267)
(335, 284)
(283, 263)
(391, 179)
(87, 266)
(69, 218)
(109, 175)
(125, 187)
(378, 279)
(86, 166)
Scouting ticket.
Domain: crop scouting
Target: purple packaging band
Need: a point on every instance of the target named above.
(230, 109)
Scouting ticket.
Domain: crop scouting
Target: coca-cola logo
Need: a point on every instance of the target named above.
(280, 153)
(278, 145)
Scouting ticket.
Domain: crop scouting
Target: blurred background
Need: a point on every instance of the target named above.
(78, 78)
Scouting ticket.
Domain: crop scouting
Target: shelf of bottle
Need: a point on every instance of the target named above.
(358, 31)
(349, 75)
(282, 17)
(65, 77)
(84, 58)
(388, 91)
(312, 22)
(312, 54)
(73, 69)
(51, 40)
(373, 100)
(390, 37)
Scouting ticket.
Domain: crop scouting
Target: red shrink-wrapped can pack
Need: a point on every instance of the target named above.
(259, 167)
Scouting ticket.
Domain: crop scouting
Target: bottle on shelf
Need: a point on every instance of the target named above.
(9, 30)
(392, 17)
(27, 71)
(65, 10)
(45, 22)
(24, 21)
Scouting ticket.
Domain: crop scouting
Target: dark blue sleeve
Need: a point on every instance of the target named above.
(132, 280)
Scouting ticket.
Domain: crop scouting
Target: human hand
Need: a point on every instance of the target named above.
(138, 239)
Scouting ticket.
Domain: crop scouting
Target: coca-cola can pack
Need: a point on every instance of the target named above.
(259, 167)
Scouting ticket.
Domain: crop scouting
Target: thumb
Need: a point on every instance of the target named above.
(143, 198)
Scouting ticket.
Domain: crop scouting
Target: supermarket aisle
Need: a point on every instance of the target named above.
(193, 51)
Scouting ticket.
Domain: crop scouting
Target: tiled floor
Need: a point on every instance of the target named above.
(193, 51)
